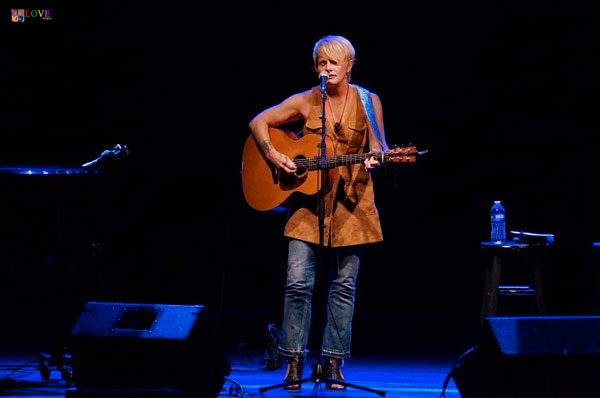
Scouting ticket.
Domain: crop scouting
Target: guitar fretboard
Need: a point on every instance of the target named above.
(335, 161)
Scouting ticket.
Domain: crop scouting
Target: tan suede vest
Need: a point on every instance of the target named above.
(351, 217)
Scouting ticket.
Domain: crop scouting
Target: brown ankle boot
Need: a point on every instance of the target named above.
(331, 370)
(294, 372)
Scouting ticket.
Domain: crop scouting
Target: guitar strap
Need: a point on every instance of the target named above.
(367, 102)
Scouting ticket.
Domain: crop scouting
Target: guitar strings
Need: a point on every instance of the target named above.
(312, 163)
(339, 160)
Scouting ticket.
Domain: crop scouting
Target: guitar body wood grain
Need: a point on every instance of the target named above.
(266, 188)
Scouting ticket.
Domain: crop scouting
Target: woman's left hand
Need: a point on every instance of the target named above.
(371, 163)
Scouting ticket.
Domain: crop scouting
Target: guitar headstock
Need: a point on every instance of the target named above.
(404, 154)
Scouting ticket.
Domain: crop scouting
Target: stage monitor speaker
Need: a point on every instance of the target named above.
(544, 356)
(147, 348)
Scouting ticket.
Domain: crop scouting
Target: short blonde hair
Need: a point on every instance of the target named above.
(337, 48)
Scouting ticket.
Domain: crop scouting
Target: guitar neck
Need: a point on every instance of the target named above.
(340, 160)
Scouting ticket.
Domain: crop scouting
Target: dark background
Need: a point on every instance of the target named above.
(502, 94)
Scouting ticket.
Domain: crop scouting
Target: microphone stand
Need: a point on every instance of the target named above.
(119, 150)
(317, 375)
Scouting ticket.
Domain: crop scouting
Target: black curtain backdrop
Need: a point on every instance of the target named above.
(502, 94)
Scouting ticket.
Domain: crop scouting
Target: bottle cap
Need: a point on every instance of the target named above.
(496, 201)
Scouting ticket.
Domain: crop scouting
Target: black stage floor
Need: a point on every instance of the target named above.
(398, 376)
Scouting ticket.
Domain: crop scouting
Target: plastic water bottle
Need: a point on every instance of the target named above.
(498, 222)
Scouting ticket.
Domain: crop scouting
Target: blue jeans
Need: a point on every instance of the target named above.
(343, 267)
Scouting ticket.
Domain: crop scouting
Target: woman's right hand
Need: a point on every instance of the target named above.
(281, 161)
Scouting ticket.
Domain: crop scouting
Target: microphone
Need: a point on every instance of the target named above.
(323, 76)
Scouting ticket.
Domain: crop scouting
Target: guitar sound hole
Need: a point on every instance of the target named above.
(301, 169)
(290, 181)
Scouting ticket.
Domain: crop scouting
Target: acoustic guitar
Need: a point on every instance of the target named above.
(266, 187)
